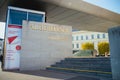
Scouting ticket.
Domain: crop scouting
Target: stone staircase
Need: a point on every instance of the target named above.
(99, 67)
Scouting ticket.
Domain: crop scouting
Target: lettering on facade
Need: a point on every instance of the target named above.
(58, 38)
(47, 27)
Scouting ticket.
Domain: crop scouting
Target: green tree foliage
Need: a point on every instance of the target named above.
(87, 46)
(103, 47)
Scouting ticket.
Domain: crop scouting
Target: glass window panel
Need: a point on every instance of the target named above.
(81, 37)
(92, 36)
(103, 35)
(98, 36)
(16, 17)
(86, 37)
(76, 37)
(77, 45)
(35, 17)
(73, 45)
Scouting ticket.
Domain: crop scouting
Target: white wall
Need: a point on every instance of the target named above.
(39, 50)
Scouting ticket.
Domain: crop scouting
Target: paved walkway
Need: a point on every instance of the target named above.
(42, 75)
(17, 76)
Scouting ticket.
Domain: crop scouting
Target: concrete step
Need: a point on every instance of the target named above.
(93, 67)
(85, 72)
(91, 58)
(87, 66)
(87, 58)
(85, 62)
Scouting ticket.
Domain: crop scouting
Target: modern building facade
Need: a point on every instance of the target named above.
(77, 13)
(28, 38)
(80, 37)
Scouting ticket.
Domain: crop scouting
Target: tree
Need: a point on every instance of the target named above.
(103, 47)
(87, 46)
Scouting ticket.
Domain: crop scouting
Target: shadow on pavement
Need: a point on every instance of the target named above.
(55, 74)
(82, 78)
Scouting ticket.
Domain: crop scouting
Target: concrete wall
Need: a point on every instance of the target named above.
(41, 48)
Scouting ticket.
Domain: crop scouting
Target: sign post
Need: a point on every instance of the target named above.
(12, 51)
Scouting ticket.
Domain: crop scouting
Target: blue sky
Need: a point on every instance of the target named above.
(112, 5)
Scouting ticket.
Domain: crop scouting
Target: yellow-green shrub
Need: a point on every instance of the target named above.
(103, 47)
(87, 46)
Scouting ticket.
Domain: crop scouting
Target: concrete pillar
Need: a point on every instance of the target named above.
(114, 39)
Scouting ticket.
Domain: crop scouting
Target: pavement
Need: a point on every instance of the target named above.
(40, 75)
(43, 75)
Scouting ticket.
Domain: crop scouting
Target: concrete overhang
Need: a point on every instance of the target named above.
(80, 5)
(77, 13)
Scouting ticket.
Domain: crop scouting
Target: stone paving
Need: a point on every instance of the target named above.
(42, 75)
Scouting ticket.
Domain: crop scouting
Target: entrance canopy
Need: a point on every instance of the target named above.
(79, 14)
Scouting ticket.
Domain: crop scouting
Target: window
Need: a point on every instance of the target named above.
(76, 37)
(16, 17)
(73, 45)
(77, 45)
(92, 36)
(103, 35)
(86, 37)
(98, 36)
(35, 17)
(81, 37)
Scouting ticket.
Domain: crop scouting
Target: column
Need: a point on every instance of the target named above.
(114, 39)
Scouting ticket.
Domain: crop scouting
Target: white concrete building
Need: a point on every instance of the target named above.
(80, 37)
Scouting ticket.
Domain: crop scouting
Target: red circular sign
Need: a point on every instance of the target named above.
(18, 47)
